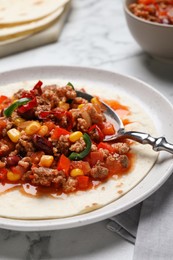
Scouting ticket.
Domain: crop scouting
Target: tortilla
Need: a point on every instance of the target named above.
(13, 204)
(10, 33)
(15, 12)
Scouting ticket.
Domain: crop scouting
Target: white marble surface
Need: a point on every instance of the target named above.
(95, 35)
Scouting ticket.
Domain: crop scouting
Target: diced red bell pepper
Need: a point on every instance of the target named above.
(83, 182)
(95, 157)
(57, 132)
(58, 114)
(64, 164)
(25, 108)
(37, 87)
(108, 128)
(106, 146)
(35, 91)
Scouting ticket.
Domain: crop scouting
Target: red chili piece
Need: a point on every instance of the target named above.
(98, 130)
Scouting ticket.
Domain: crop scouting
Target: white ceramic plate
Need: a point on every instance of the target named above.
(152, 101)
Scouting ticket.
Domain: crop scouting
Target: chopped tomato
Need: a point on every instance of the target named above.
(18, 170)
(114, 167)
(2, 99)
(3, 173)
(108, 128)
(57, 132)
(2, 125)
(83, 182)
(84, 166)
(50, 125)
(95, 157)
(64, 164)
(106, 146)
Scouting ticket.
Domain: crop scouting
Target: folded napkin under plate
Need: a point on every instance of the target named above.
(149, 225)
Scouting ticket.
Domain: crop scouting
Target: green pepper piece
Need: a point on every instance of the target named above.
(79, 156)
(9, 110)
(70, 84)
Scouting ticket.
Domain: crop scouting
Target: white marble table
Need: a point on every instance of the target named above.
(95, 35)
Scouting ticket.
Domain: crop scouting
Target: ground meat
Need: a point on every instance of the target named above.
(66, 93)
(45, 176)
(50, 95)
(25, 162)
(99, 172)
(70, 185)
(78, 101)
(61, 93)
(43, 105)
(6, 146)
(19, 93)
(82, 125)
(78, 146)
(96, 118)
(93, 148)
(4, 149)
(86, 116)
(122, 159)
(121, 148)
(62, 145)
(9, 124)
(25, 145)
(105, 152)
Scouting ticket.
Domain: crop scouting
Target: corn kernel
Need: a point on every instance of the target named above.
(76, 172)
(32, 128)
(75, 136)
(13, 176)
(18, 121)
(80, 106)
(14, 135)
(43, 130)
(95, 100)
(64, 105)
(46, 160)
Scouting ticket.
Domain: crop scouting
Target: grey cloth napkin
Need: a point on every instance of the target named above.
(149, 225)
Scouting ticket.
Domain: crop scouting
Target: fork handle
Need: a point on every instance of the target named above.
(158, 144)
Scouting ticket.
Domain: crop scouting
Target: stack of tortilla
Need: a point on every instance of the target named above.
(29, 23)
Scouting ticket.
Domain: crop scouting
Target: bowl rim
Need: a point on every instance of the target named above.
(126, 9)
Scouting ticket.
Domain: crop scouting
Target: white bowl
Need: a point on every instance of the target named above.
(154, 38)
